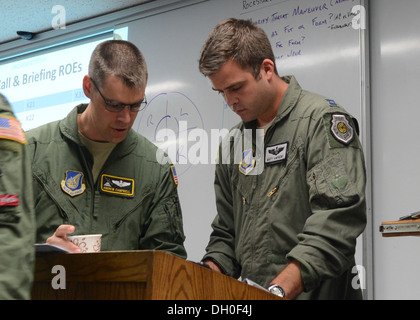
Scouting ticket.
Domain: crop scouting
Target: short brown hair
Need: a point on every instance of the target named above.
(121, 59)
(238, 40)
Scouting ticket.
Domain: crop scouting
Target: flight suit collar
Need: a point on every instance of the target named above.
(287, 104)
(69, 128)
(290, 98)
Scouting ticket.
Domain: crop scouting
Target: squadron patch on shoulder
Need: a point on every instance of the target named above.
(118, 186)
(73, 183)
(341, 128)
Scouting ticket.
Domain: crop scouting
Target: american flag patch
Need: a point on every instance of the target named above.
(174, 174)
(9, 200)
(11, 129)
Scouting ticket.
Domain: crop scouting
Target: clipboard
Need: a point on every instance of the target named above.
(400, 228)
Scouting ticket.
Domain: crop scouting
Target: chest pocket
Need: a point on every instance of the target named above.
(278, 175)
(122, 209)
(330, 185)
(56, 197)
(244, 185)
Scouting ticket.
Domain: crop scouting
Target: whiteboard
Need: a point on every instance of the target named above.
(313, 40)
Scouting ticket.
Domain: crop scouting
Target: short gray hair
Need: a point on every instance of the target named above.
(121, 59)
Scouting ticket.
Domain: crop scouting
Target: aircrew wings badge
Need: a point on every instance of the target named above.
(118, 186)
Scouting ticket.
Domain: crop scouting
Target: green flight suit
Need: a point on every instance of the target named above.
(17, 221)
(308, 203)
(133, 204)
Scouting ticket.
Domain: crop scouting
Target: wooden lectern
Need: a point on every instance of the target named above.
(135, 275)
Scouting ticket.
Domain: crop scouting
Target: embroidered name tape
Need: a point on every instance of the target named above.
(277, 153)
(123, 187)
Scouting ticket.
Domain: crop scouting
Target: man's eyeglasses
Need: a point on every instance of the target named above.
(114, 106)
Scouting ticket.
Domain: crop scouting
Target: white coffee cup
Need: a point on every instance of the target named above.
(87, 242)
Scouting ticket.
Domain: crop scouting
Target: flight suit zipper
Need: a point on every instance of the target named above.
(89, 174)
(62, 213)
(120, 222)
(272, 192)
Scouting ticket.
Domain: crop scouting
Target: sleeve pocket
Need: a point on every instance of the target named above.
(173, 211)
(330, 185)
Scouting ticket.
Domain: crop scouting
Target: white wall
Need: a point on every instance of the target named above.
(395, 112)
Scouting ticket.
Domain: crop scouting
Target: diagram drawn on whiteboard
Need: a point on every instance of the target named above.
(173, 112)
